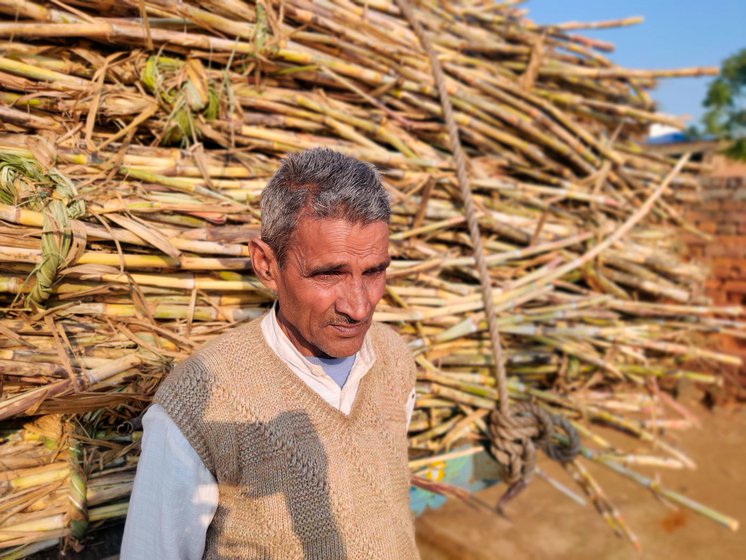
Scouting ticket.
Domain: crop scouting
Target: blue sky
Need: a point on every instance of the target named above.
(674, 34)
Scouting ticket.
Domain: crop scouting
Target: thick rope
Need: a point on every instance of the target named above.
(514, 439)
(515, 434)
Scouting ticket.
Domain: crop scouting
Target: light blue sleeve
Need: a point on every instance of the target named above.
(174, 497)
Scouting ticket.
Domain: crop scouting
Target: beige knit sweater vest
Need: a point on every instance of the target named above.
(297, 478)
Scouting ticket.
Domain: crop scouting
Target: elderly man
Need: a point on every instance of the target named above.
(286, 437)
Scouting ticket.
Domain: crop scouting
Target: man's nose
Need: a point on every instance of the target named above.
(353, 301)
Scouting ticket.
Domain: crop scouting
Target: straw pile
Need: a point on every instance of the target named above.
(137, 136)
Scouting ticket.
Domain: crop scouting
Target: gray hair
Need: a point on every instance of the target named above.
(320, 183)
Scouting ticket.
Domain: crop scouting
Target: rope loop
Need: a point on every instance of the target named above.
(563, 451)
(515, 437)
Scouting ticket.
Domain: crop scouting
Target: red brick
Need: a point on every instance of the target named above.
(727, 228)
(727, 268)
(730, 262)
(733, 246)
(720, 272)
(734, 298)
(701, 214)
(707, 227)
(719, 298)
(735, 286)
(733, 346)
(734, 214)
(736, 240)
(715, 215)
(696, 251)
(692, 239)
(716, 250)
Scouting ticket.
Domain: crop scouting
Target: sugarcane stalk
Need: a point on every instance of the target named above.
(675, 497)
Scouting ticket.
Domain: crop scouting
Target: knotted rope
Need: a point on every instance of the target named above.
(514, 432)
(515, 438)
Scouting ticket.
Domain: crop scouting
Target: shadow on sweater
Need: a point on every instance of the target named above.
(283, 457)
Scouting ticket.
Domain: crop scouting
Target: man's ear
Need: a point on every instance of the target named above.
(264, 263)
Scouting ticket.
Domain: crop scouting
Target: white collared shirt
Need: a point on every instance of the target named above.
(313, 375)
(174, 496)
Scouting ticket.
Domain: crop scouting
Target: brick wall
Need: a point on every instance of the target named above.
(722, 214)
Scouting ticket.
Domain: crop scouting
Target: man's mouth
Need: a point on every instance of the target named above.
(349, 330)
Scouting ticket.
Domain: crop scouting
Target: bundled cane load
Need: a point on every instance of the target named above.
(136, 138)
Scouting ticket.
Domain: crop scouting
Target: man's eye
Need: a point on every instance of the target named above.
(375, 272)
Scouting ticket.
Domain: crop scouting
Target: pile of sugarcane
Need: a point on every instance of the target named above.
(136, 138)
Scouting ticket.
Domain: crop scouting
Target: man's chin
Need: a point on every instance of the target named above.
(342, 350)
(343, 347)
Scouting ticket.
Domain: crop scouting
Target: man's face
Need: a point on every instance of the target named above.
(333, 278)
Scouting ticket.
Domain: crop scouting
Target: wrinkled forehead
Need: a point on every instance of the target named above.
(338, 241)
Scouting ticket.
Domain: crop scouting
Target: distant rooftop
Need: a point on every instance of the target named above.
(669, 138)
(663, 136)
